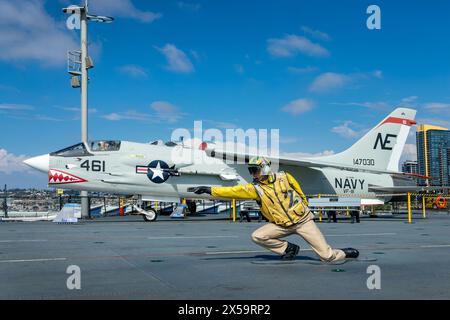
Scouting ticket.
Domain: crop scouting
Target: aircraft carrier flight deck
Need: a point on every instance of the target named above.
(201, 258)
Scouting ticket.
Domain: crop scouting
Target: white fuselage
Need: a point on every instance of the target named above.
(165, 173)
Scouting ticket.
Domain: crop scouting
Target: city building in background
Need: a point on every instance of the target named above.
(410, 166)
(433, 154)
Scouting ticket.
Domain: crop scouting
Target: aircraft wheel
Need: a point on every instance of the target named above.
(150, 216)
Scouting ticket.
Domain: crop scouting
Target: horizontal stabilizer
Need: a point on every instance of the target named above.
(403, 189)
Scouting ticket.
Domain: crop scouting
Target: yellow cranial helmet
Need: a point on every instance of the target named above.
(259, 163)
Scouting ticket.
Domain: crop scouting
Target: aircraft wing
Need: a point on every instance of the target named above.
(300, 162)
(403, 189)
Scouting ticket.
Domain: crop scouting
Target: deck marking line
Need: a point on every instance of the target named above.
(33, 260)
(190, 237)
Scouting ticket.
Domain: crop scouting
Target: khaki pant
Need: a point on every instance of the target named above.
(268, 237)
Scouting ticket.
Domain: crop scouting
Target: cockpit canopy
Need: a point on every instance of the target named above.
(104, 145)
(80, 150)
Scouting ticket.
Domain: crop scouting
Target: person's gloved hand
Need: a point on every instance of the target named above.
(200, 190)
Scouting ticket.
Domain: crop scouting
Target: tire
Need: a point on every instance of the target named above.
(152, 216)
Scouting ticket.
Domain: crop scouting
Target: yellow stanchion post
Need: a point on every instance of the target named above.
(234, 209)
(183, 201)
(409, 207)
(320, 211)
(347, 212)
(156, 205)
(424, 213)
(121, 206)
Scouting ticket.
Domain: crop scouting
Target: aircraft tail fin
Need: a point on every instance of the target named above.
(381, 147)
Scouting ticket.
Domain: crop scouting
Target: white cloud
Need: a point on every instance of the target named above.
(189, 6)
(133, 71)
(10, 163)
(26, 112)
(410, 151)
(410, 99)
(291, 45)
(437, 106)
(377, 74)
(127, 115)
(388, 105)
(316, 34)
(329, 81)
(177, 61)
(345, 131)
(113, 116)
(298, 106)
(435, 121)
(288, 140)
(162, 112)
(303, 70)
(12, 106)
(166, 111)
(122, 9)
(42, 117)
(378, 105)
(28, 32)
(77, 109)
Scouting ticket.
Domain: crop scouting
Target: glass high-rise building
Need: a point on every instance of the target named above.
(433, 154)
(410, 166)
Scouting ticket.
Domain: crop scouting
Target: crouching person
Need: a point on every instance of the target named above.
(283, 203)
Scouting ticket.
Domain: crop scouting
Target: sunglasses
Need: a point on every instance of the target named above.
(254, 170)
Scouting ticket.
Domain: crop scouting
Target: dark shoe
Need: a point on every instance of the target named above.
(351, 253)
(291, 252)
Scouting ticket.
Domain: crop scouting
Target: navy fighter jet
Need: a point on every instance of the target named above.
(164, 171)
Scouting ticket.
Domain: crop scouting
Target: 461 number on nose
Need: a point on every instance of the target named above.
(94, 165)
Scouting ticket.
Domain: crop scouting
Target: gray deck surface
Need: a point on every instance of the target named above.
(197, 258)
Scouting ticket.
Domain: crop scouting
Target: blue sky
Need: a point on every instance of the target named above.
(310, 68)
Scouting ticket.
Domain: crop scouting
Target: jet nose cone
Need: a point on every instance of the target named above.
(40, 163)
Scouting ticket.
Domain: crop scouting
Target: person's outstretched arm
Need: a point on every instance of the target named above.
(294, 184)
(243, 192)
(246, 191)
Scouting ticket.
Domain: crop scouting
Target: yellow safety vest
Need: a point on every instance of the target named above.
(280, 203)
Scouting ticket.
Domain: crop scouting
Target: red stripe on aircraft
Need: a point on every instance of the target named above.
(406, 122)
(142, 170)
